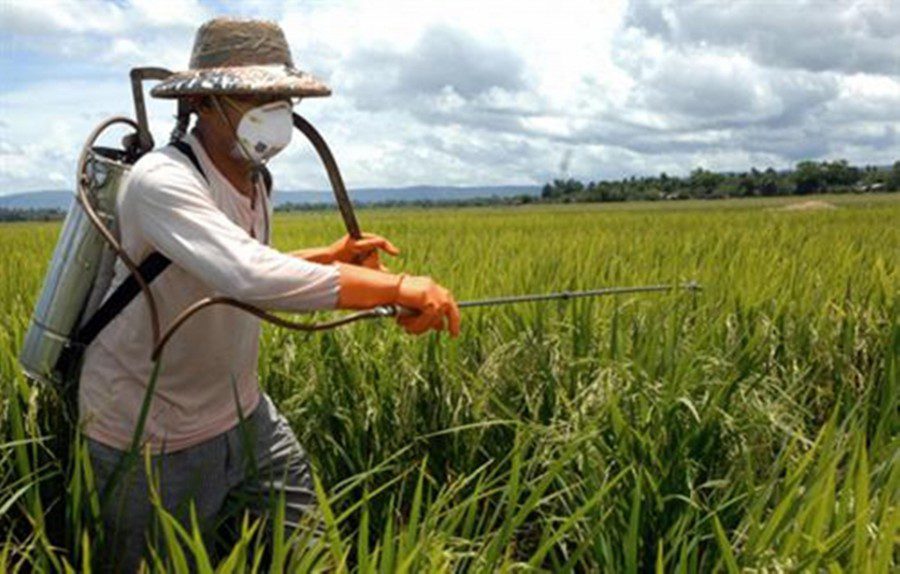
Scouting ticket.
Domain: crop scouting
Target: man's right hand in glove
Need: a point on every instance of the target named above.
(431, 306)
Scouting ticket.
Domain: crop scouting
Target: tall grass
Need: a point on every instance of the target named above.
(752, 427)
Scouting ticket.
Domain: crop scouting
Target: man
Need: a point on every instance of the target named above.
(204, 207)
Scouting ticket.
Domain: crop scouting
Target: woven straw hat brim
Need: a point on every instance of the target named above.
(269, 80)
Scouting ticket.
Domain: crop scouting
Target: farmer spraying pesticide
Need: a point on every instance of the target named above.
(186, 229)
(197, 215)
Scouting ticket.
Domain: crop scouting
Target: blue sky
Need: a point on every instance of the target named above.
(489, 91)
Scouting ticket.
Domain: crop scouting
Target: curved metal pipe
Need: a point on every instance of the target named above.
(353, 229)
(84, 200)
(138, 75)
(182, 317)
(334, 175)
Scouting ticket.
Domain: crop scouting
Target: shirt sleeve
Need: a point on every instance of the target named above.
(175, 214)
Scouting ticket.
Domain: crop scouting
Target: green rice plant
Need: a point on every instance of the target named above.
(752, 427)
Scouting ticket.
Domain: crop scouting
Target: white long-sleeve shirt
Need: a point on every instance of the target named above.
(211, 361)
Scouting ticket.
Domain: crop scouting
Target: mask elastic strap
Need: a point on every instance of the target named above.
(257, 171)
(233, 129)
(257, 166)
(261, 192)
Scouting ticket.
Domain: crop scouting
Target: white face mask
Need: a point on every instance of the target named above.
(265, 130)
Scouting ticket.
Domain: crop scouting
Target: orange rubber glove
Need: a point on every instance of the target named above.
(362, 252)
(431, 306)
(434, 303)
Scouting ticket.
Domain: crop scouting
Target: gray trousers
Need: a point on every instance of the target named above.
(249, 467)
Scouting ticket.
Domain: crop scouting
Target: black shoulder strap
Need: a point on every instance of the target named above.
(150, 268)
(186, 150)
(189, 153)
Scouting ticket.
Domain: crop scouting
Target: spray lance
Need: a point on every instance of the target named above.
(82, 265)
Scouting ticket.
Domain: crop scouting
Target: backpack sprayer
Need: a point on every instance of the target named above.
(81, 270)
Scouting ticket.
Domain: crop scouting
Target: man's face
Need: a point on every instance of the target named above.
(233, 107)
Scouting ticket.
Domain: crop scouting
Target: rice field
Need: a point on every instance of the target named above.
(751, 427)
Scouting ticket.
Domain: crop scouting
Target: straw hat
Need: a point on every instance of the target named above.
(240, 57)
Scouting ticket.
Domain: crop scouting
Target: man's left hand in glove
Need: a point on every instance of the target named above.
(362, 251)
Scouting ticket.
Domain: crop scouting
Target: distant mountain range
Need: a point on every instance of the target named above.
(62, 199)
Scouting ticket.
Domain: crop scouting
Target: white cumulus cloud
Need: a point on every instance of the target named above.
(488, 91)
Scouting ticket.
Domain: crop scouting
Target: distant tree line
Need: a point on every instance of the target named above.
(424, 203)
(29, 214)
(807, 178)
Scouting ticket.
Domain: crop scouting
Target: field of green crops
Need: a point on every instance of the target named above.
(751, 427)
